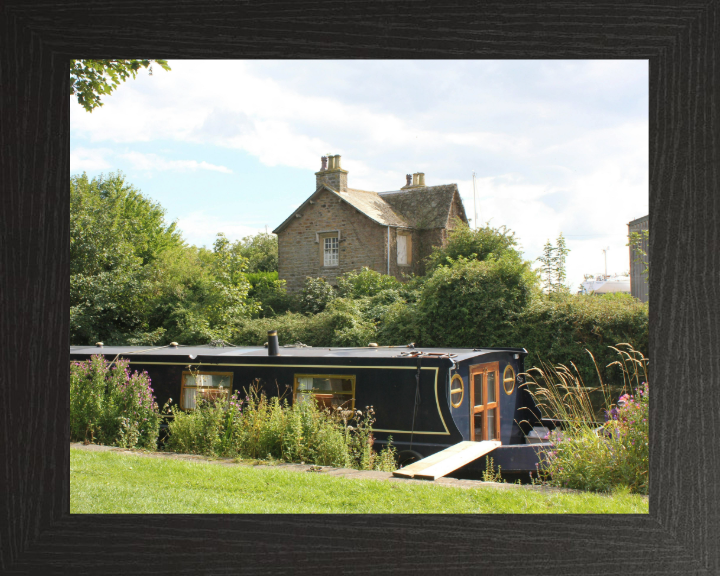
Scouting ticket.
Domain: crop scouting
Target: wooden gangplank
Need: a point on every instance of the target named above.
(448, 460)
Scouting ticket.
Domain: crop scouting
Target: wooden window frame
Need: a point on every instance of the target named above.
(408, 248)
(322, 236)
(460, 390)
(506, 379)
(483, 408)
(350, 377)
(202, 373)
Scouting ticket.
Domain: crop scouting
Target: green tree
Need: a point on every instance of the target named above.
(561, 252)
(470, 303)
(471, 244)
(116, 237)
(91, 79)
(231, 287)
(547, 259)
(553, 265)
(261, 252)
(635, 242)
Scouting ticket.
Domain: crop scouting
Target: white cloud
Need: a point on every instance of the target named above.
(558, 146)
(106, 159)
(201, 229)
(89, 159)
(151, 162)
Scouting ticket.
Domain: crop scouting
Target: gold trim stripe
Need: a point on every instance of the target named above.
(437, 370)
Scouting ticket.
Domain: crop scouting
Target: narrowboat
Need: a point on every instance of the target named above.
(425, 400)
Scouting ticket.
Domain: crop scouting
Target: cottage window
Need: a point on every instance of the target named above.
(404, 249)
(331, 251)
(329, 390)
(209, 385)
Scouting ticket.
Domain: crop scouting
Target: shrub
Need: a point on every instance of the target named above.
(271, 294)
(340, 324)
(261, 252)
(110, 406)
(316, 295)
(464, 242)
(471, 303)
(585, 456)
(399, 325)
(259, 427)
(365, 283)
(556, 327)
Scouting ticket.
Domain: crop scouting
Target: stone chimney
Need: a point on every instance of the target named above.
(418, 180)
(332, 175)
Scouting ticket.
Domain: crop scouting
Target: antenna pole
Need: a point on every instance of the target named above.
(605, 253)
(474, 201)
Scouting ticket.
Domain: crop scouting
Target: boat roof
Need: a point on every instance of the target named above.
(460, 354)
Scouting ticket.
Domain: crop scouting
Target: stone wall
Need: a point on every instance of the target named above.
(456, 212)
(362, 243)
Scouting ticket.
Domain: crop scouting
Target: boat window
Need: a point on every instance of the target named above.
(484, 395)
(329, 390)
(491, 388)
(491, 424)
(477, 385)
(509, 379)
(209, 385)
(457, 391)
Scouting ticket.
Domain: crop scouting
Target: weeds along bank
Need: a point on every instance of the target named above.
(586, 455)
(111, 406)
(257, 427)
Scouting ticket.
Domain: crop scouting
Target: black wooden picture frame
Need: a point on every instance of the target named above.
(680, 535)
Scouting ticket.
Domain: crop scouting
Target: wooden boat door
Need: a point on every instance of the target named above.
(485, 402)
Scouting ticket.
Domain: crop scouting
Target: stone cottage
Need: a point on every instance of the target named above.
(339, 229)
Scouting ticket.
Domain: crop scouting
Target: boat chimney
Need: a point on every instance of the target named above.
(273, 346)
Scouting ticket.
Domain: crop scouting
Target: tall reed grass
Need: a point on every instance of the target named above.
(592, 455)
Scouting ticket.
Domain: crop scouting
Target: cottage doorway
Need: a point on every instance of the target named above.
(485, 402)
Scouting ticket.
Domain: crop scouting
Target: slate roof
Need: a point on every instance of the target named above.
(419, 208)
(373, 205)
(426, 207)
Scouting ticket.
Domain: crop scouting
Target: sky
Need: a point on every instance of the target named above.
(557, 146)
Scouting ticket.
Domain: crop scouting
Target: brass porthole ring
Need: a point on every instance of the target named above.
(509, 380)
(457, 391)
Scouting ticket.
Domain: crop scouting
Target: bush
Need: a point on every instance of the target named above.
(258, 427)
(340, 324)
(365, 283)
(470, 303)
(585, 457)
(271, 294)
(316, 294)
(261, 252)
(399, 325)
(556, 327)
(463, 242)
(110, 406)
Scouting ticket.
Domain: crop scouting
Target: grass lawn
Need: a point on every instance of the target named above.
(112, 483)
